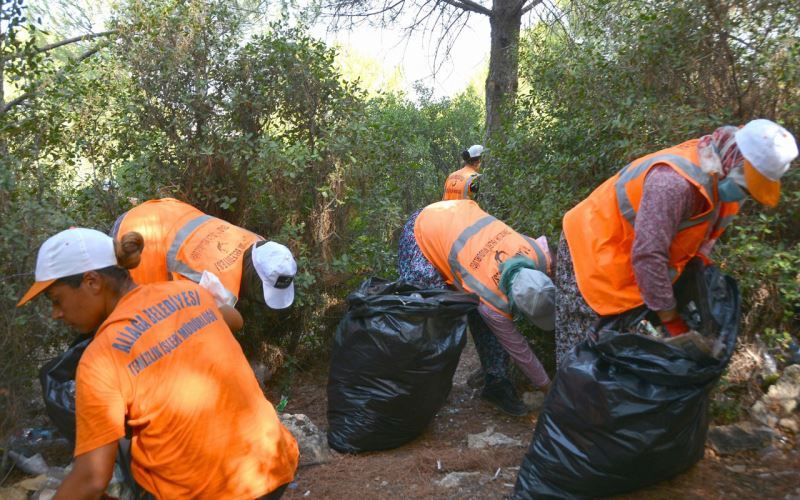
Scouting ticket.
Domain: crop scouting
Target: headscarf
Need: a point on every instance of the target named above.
(508, 271)
(718, 151)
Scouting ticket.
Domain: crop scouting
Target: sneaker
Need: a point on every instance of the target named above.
(503, 396)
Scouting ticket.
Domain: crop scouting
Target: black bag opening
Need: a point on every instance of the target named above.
(627, 410)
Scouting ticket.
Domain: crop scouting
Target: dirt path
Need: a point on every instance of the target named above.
(414, 470)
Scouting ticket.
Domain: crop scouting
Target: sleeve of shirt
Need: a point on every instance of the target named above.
(99, 403)
(667, 199)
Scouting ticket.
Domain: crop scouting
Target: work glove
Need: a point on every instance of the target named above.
(222, 296)
(675, 326)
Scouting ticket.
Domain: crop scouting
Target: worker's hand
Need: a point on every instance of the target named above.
(222, 296)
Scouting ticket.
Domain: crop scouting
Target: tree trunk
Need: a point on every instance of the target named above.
(501, 83)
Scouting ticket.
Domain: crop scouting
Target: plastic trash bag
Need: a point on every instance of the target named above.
(627, 410)
(57, 377)
(392, 363)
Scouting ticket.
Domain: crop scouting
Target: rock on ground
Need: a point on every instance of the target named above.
(534, 400)
(729, 439)
(312, 442)
(781, 400)
(453, 479)
(490, 438)
(13, 493)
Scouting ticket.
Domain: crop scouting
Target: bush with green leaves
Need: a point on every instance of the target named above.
(614, 80)
(248, 122)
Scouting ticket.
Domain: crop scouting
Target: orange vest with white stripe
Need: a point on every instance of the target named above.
(180, 242)
(457, 186)
(600, 229)
(467, 246)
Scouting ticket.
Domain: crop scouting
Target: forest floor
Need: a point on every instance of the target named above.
(417, 469)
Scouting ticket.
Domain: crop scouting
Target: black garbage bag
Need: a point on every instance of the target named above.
(627, 410)
(57, 377)
(392, 363)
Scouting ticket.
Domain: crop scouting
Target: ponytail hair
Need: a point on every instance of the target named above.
(128, 250)
(465, 155)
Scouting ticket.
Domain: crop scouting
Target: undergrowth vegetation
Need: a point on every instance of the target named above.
(257, 125)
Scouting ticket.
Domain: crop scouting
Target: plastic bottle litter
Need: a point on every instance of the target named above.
(648, 329)
(34, 465)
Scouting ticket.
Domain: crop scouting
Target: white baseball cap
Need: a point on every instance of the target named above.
(534, 296)
(276, 268)
(475, 151)
(768, 149)
(70, 252)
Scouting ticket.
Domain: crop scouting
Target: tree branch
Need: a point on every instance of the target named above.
(530, 6)
(27, 95)
(470, 6)
(90, 36)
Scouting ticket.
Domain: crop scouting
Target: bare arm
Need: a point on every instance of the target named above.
(90, 474)
(232, 317)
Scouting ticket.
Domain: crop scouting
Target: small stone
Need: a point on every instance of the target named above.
(786, 391)
(13, 493)
(490, 438)
(453, 479)
(762, 414)
(771, 453)
(533, 400)
(312, 443)
(46, 494)
(33, 483)
(728, 439)
(789, 424)
(739, 469)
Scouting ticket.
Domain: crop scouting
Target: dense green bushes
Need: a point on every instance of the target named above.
(618, 80)
(250, 123)
(255, 124)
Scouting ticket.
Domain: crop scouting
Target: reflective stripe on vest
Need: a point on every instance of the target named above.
(693, 171)
(464, 275)
(173, 264)
(461, 273)
(724, 222)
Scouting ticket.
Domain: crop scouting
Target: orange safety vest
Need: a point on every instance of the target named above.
(467, 246)
(180, 242)
(457, 185)
(600, 229)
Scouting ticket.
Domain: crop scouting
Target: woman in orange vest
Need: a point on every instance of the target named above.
(181, 242)
(164, 362)
(627, 243)
(456, 243)
(463, 183)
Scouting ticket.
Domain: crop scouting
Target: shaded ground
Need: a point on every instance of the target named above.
(413, 470)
